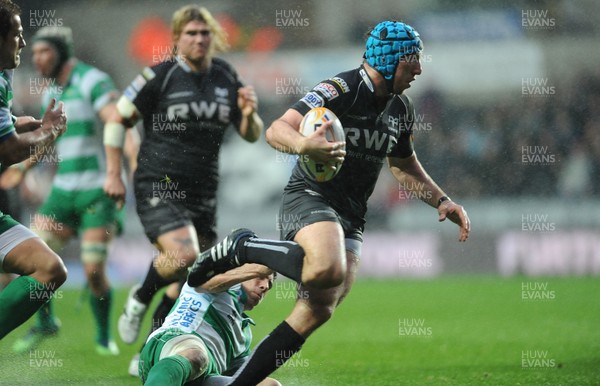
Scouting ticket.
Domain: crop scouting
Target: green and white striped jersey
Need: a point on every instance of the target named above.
(7, 128)
(218, 319)
(80, 150)
(7, 120)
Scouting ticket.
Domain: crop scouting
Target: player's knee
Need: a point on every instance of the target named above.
(198, 359)
(94, 252)
(173, 264)
(324, 277)
(50, 268)
(53, 271)
(321, 314)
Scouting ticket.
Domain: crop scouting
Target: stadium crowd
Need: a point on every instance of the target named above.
(524, 145)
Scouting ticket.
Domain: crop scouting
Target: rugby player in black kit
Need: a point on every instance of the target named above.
(326, 220)
(186, 104)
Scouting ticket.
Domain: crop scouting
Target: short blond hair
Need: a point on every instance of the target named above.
(195, 12)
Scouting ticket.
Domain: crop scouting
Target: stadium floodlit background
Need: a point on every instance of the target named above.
(508, 116)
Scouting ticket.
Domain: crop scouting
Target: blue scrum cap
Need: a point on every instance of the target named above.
(387, 42)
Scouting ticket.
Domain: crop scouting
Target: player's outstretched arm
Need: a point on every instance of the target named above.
(19, 147)
(251, 125)
(412, 176)
(13, 176)
(222, 282)
(26, 124)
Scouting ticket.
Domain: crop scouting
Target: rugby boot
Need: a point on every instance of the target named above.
(130, 320)
(220, 258)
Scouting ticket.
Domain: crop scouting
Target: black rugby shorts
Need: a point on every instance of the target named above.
(302, 207)
(161, 216)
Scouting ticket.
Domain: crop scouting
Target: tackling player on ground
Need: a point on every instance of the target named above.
(76, 205)
(207, 333)
(21, 251)
(327, 220)
(186, 104)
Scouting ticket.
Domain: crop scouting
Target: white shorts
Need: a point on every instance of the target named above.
(11, 238)
(180, 343)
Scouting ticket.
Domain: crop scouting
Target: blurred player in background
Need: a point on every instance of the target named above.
(327, 219)
(21, 251)
(207, 334)
(76, 205)
(186, 104)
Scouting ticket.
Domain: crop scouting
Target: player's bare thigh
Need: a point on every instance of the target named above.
(324, 261)
(34, 258)
(58, 229)
(178, 250)
(315, 306)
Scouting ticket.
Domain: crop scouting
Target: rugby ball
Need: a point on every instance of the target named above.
(319, 171)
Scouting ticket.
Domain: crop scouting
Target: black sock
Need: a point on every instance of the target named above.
(272, 352)
(151, 285)
(285, 257)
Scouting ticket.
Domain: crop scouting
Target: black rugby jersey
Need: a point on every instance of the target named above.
(371, 136)
(185, 115)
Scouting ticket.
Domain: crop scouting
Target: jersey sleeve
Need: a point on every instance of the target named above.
(7, 123)
(144, 91)
(7, 120)
(102, 92)
(401, 114)
(330, 93)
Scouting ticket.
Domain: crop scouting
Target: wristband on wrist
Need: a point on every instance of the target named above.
(442, 199)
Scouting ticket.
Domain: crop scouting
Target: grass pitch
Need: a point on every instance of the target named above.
(450, 331)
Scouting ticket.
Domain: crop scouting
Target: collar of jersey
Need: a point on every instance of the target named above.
(183, 64)
(365, 77)
(7, 75)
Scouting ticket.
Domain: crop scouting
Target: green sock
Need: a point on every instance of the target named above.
(19, 301)
(173, 370)
(45, 320)
(101, 310)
